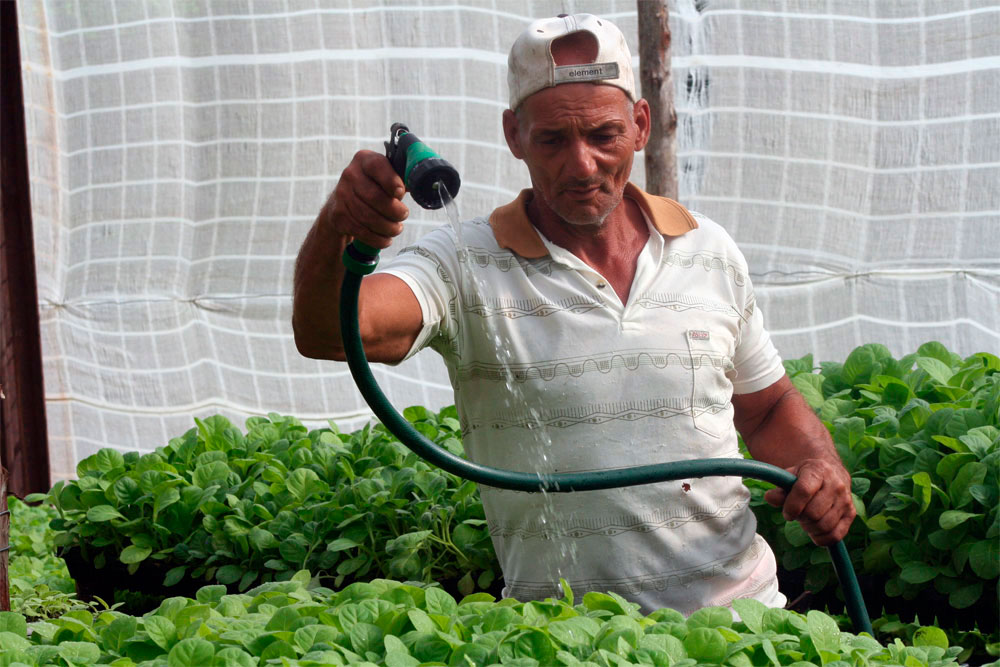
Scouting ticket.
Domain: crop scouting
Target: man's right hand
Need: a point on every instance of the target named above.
(367, 203)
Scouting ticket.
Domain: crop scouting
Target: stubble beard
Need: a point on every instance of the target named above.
(582, 218)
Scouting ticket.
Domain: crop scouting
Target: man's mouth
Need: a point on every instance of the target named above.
(583, 191)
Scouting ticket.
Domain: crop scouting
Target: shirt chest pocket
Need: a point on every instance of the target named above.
(711, 358)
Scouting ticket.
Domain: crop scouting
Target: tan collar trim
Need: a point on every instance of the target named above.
(669, 217)
(513, 229)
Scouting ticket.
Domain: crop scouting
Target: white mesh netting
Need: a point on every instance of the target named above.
(180, 150)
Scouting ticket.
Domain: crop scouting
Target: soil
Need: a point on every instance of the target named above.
(451, 587)
(144, 590)
(139, 592)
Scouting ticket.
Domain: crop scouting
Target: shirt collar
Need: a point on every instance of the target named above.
(513, 229)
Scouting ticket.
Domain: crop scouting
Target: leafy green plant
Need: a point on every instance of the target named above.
(391, 623)
(240, 508)
(920, 437)
(975, 644)
(219, 505)
(40, 585)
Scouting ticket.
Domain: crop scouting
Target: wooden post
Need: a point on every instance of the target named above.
(24, 440)
(4, 542)
(658, 90)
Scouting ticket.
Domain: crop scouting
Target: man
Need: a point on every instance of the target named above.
(629, 335)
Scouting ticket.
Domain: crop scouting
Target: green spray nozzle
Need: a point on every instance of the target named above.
(420, 167)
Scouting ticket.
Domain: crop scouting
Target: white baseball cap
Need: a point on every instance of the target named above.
(531, 66)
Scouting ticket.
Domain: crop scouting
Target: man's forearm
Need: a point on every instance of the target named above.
(319, 274)
(780, 428)
(790, 433)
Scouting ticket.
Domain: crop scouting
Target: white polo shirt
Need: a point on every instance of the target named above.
(584, 382)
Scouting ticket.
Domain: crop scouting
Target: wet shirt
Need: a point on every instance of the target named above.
(553, 373)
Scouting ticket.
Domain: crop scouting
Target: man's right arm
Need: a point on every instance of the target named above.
(366, 205)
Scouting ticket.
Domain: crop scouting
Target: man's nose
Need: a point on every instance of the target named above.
(581, 163)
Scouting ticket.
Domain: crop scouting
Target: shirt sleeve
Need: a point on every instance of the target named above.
(428, 276)
(758, 364)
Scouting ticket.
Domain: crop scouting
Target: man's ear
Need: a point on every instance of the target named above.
(641, 117)
(511, 132)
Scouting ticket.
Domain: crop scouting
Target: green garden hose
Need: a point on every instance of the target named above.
(361, 259)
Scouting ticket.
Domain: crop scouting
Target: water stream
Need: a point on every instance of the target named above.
(474, 286)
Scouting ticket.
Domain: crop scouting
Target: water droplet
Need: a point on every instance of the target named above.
(516, 403)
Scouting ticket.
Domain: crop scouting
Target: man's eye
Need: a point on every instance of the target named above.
(603, 138)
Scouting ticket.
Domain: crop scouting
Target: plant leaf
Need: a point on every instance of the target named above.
(11, 621)
(208, 474)
(824, 631)
(79, 653)
(984, 559)
(301, 482)
(810, 385)
(969, 475)
(931, 636)
(164, 498)
(751, 613)
(174, 575)
(161, 630)
(118, 631)
(262, 540)
(107, 460)
(228, 574)
(916, 572)
(100, 513)
(706, 645)
(966, 596)
(951, 518)
(937, 369)
(935, 350)
(341, 544)
(133, 554)
(437, 601)
(191, 651)
(922, 490)
(365, 637)
(859, 365)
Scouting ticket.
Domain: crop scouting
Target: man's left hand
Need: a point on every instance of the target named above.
(820, 500)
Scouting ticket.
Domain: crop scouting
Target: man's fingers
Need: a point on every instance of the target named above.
(826, 523)
(820, 501)
(366, 203)
(829, 530)
(366, 225)
(382, 205)
(379, 170)
(807, 486)
(775, 497)
(371, 179)
(820, 507)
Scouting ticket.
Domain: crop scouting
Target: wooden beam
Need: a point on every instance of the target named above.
(24, 447)
(4, 543)
(658, 90)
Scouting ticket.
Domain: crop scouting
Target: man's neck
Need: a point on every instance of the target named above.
(610, 248)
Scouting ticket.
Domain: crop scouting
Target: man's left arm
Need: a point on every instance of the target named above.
(780, 428)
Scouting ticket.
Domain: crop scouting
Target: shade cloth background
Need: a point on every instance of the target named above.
(180, 150)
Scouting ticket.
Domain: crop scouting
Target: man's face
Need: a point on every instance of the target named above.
(578, 141)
